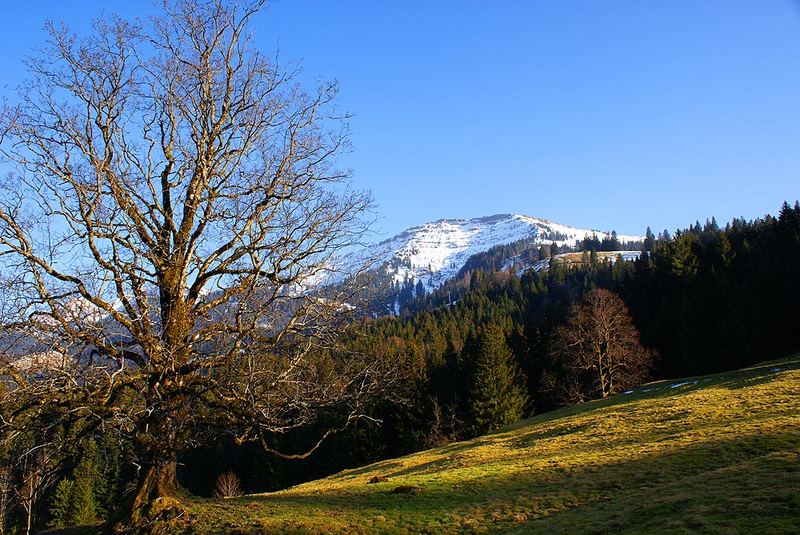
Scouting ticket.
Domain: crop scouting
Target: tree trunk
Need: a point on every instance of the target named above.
(28, 520)
(4, 492)
(159, 481)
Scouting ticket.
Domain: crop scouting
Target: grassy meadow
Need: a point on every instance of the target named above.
(716, 454)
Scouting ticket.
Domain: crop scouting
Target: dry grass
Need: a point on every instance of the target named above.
(719, 455)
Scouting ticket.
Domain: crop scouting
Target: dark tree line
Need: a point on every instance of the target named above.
(713, 299)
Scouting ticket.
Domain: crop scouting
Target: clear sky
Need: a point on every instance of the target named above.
(605, 114)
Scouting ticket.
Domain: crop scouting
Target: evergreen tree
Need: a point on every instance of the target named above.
(649, 241)
(75, 502)
(419, 291)
(498, 396)
(110, 482)
(685, 262)
(61, 508)
(83, 494)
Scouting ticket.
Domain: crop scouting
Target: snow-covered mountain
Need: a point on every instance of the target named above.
(432, 253)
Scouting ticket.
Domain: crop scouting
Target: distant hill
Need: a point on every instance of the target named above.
(423, 258)
(714, 454)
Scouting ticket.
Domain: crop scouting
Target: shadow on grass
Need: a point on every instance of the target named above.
(394, 468)
(527, 440)
(715, 475)
(370, 468)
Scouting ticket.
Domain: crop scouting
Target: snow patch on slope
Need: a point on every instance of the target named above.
(432, 253)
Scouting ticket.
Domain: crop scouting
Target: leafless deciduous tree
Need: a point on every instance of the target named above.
(5, 496)
(35, 477)
(174, 194)
(228, 486)
(597, 351)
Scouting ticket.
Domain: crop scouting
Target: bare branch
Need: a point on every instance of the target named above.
(174, 200)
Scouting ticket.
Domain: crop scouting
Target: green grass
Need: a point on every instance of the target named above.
(719, 455)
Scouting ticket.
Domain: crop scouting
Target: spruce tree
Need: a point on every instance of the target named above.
(61, 508)
(498, 396)
(109, 472)
(75, 502)
(84, 501)
(649, 241)
(88, 484)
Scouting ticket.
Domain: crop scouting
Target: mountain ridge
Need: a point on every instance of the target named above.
(432, 253)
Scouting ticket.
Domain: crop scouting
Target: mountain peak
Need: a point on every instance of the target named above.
(433, 252)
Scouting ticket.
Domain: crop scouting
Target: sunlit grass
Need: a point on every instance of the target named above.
(720, 454)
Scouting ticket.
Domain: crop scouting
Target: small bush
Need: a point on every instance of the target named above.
(228, 486)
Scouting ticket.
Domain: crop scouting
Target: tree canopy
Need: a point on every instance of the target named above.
(174, 195)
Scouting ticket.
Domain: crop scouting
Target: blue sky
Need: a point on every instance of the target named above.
(604, 114)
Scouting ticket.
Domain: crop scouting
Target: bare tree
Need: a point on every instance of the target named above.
(5, 495)
(175, 196)
(228, 486)
(597, 351)
(445, 426)
(36, 476)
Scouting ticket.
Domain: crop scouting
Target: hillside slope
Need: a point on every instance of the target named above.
(716, 454)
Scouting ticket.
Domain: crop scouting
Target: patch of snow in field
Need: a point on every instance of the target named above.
(678, 385)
